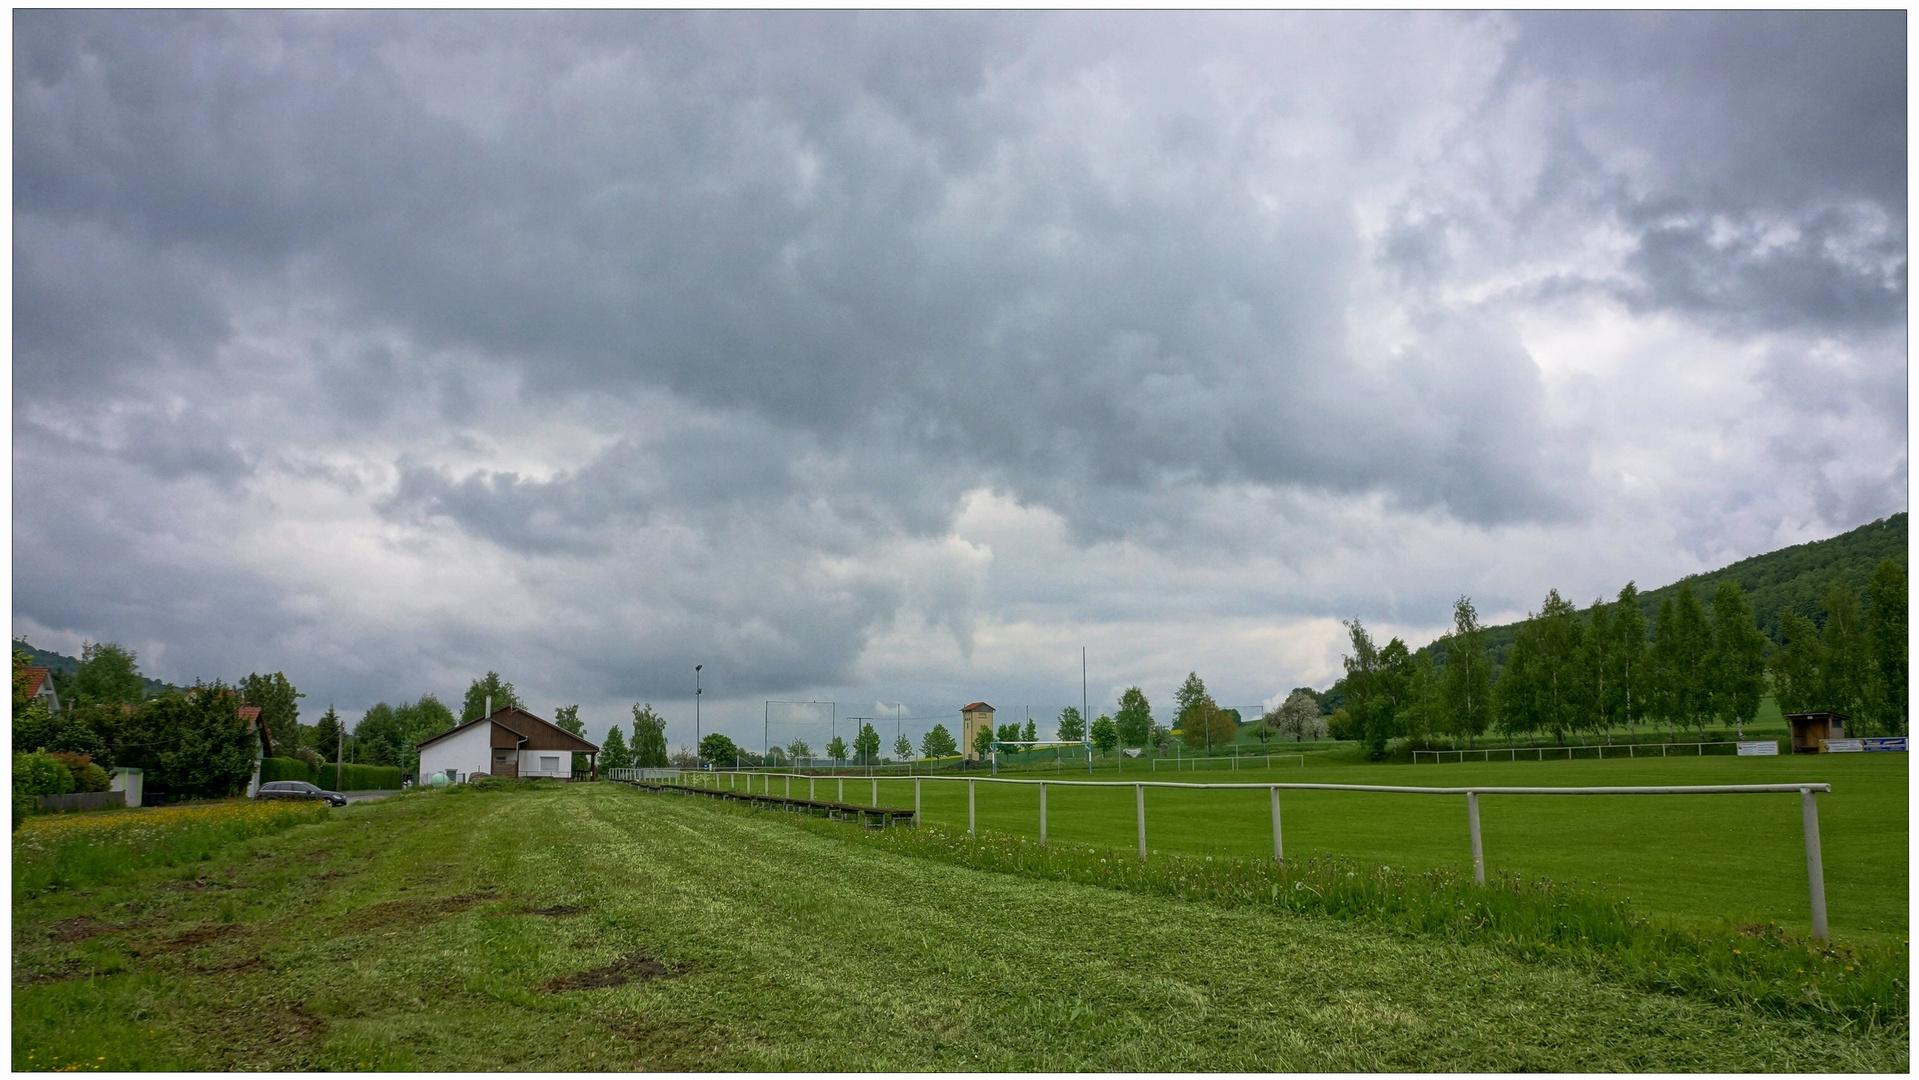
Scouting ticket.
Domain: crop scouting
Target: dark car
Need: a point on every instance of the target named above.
(299, 789)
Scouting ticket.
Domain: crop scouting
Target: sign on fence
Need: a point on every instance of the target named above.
(1895, 744)
(1134, 751)
(1768, 748)
(1844, 746)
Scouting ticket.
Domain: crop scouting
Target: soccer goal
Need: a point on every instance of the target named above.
(1042, 754)
(799, 734)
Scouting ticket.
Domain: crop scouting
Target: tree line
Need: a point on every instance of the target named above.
(1572, 673)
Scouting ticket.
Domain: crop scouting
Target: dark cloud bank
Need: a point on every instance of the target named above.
(388, 347)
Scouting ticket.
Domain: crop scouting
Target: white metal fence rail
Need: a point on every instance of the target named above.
(1809, 809)
(1539, 753)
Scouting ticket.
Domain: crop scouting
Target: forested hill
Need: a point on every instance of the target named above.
(1794, 578)
(63, 666)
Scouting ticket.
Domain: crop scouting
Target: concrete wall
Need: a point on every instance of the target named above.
(466, 751)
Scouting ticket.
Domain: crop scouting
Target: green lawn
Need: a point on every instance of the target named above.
(1696, 859)
(593, 926)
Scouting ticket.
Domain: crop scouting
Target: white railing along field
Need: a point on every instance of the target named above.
(1539, 753)
(1809, 810)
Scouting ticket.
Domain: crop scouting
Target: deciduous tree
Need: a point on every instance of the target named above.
(1887, 644)
(1072, 726)
(613, 751)
(1795, 664)
(1134, 720)
(1631, 664)
(938, 743)
(1737, 666)
(490, 685)
(902, 749)
(1105, 733)
(1845, 666)
(649, 738)
(720, 750)
(279, 705)
(108, 673)
(866, 745)
(1466, 681)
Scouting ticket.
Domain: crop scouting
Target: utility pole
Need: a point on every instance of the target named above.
(696, 714)
(339, 753)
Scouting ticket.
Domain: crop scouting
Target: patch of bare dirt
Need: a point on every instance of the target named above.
(191, 939)
(411, 911)
(558, 910)
(80, 928)
(255, 962)
(329, 875)
(203, 883)
(635, 968)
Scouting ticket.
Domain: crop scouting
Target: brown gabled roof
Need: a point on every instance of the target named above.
(978, 706)
(533, 733)
(35, 676)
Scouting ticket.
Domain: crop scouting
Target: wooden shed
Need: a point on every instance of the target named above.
(1810, 730)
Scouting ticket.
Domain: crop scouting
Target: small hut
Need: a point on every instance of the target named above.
(1810, 730)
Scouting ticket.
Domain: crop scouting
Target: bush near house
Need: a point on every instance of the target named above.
(86, 775)
(359, 777)
(35, 775)
(282, 768)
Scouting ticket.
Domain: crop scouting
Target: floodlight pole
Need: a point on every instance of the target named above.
(696, 714)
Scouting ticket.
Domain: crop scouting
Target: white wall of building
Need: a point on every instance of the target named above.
(467, 751)
(557, 763)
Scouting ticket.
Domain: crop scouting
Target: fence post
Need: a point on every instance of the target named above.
(1139, 801)
(789, 787)
(970, 820)
(1042, 813)
(916, 802)
(812, 791)
(1279, 848)
(876, 791)
(1815, 873)
(842, 797)
(1472, 822)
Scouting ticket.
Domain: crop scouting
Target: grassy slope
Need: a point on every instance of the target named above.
(1693, 858)
(795, 950)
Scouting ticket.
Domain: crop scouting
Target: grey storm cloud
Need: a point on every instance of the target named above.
(705, 324)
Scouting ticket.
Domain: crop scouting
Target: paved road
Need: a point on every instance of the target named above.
(363, 796)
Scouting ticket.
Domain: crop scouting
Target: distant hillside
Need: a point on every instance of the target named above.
(63, 666)
(1794, 578)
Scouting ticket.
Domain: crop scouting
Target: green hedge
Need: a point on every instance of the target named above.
(360, 778)
(284, 768)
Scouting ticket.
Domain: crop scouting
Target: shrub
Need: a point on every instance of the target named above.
(35, 775)
(282, 768)
(41, 774)
(86, 775)
(359, 777)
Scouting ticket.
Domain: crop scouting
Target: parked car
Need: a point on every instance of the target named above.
(299, 789)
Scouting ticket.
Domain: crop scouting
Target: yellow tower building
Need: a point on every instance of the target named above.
(972, 718)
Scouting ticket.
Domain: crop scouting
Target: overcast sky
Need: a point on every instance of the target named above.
(894, 358)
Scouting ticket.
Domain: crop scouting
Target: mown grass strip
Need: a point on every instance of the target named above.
(71, 850)
(1761, 967)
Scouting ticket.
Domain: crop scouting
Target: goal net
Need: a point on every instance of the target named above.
(799, 733)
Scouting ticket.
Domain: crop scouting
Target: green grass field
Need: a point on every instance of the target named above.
(1702, 859)
(593, 926)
